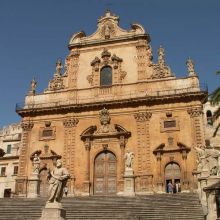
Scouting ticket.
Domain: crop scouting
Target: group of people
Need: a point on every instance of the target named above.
(173, 188)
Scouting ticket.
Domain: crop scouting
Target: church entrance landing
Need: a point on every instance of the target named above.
(105, 176)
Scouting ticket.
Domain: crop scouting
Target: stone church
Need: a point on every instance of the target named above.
(107, 99)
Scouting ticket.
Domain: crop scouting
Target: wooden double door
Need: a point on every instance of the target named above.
(105, 174)
(172, 174)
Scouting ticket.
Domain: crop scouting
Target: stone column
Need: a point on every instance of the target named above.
(69, 156)
(21, 180)
(144, 152)
(87, 183)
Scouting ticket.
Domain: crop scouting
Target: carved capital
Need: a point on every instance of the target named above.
(142, 116)
(27, 126)
(194, 112)
(71, 122)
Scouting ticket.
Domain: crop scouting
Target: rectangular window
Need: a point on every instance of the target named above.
(47, 133)
(15, 170)
(170, 124)
(3, 171)
(8, 148)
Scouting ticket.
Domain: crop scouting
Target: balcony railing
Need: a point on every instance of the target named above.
(107, 95)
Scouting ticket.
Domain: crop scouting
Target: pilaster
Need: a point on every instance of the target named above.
(21, 180)
(197, 125)
(143, 145)
(69, 145)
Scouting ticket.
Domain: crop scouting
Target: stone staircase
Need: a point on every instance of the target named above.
(155, 207)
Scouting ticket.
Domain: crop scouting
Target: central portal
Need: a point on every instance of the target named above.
(105, 174)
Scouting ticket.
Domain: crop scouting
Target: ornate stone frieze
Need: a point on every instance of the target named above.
(142, 116)
(27, 126)
(107, 59)
(71, 122)
(161, 69)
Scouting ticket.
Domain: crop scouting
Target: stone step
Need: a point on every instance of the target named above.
(156, 207)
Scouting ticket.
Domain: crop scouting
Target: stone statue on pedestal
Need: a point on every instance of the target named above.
(36, 164)
(208, 160)
(57, 180)
(129, 174)
(129, 156)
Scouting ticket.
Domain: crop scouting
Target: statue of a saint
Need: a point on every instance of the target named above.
(33, 87)
(36, 164)
(190, 67)
(129, 156)
(59, 67)
(107, 32)
(161, 56)
(57, 180)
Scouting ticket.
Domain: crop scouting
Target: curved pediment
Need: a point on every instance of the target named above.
(46, 154)
(162, 148)
(108, 28)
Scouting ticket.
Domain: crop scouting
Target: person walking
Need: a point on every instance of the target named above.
(170, 187)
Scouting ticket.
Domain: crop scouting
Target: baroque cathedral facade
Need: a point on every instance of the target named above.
(110, 98)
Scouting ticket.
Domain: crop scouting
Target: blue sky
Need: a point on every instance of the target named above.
(35, 33)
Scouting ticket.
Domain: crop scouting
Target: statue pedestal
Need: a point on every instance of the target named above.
(33, 186)
(160, 188)
(53, 211)
(129, 182)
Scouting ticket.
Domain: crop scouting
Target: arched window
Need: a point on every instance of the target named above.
(106, 76)
(209, 117)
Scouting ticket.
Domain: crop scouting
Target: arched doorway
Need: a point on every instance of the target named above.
(105, 174)
(172, 173)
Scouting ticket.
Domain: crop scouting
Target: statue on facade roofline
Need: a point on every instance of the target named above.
(33, 87)
(57, 180)
(190, 67)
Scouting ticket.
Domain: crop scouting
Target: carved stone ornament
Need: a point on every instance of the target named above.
(71, 122)
(195, 112)
(190, 67)
(107, 59)
(161, 70)
(107, 25)
(57, 82)
(208, 160)
(27, 126)
(142, 116)
(105, 122)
